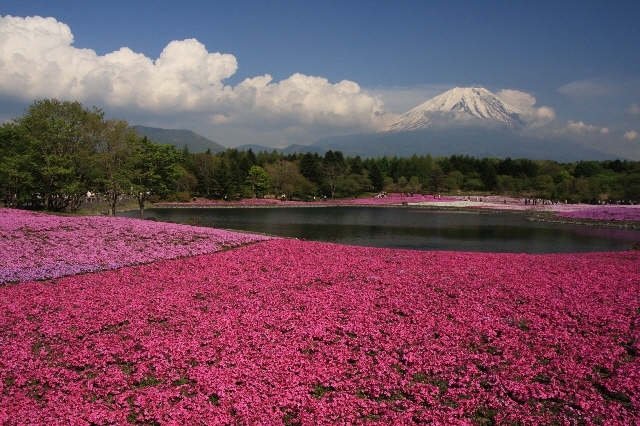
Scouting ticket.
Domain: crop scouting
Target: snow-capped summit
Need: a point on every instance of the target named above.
(461, 105)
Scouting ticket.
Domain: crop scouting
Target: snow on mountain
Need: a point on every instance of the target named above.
(461, 105)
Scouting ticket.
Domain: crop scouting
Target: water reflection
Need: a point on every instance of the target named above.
(409, 228)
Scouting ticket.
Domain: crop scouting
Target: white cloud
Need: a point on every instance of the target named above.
(631, 135)
(402, 99)
(526, 102)
(37, 60)
(582, 128)
(634, 109)
(585, 88)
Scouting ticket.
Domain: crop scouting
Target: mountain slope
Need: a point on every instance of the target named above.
(180, 138)
(461, 105)
(472, 141)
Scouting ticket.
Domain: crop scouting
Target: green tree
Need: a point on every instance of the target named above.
(453, 181)
(488, 174)
(155, 170)
(587, 169)
(222, 184)
(58, 151)
(258, 180)
(334, 170)
(356, 166)
(203, 166)
(437, 179)
(376, 176)
(116, 147)
(286, 180)
(16, 179)
(414, 185)
(310, 167)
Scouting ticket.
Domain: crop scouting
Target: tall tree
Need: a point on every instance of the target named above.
(285, 178)
(334, 170)
(223, 185)
(16, 180)
(116, 157)
(155, 170)
(436, 179)
(59, 150)
(310, 167)
(376, 176)
(488, 174)
(258, 180)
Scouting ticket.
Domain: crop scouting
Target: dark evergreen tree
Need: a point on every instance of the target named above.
(376, 176)
(310, 167)
(488, 174)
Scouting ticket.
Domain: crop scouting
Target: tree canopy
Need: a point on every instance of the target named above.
(58, 152)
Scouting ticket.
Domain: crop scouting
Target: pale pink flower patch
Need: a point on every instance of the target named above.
(37, 246)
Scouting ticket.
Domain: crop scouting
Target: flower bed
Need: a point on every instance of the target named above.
(605, 213)
(293, 332)
(39, 246)
(390, 199)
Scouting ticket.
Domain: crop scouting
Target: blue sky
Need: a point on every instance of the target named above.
(335, 67)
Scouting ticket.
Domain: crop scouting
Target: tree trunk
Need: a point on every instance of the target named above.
(76, 202)
(113, 199)
(141, 198)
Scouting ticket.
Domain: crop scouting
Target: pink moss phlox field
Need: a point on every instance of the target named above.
(390, 199)
(295, 332)
(37, 246)
(605, 213)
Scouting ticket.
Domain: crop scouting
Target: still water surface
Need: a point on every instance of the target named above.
(408, 228)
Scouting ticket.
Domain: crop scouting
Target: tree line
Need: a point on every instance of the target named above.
(58, 152)
(241, 174)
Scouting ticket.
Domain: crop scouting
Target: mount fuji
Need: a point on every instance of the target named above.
(468, 105)
(463, 121)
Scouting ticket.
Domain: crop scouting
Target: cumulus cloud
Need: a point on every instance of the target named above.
(526, 102)
(634, 109)
(631, 135)
(37, 60)
(401, 99)
(582, 128)
(584, 88)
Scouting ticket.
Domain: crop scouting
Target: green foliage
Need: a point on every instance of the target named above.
(156, 168)
(58, 151)
(53, 146)
(258, 180)
(587, 169)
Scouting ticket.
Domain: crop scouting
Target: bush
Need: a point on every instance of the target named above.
(180, 197)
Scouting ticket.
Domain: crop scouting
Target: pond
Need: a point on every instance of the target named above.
(408, 228)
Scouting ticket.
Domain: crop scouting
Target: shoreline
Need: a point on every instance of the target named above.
(541, 213)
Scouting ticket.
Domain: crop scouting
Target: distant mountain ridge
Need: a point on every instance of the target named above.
(471, 141)
(180, 138)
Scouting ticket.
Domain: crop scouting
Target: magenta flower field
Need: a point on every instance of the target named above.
(287, 332)
(605, 213)
(38, 246)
